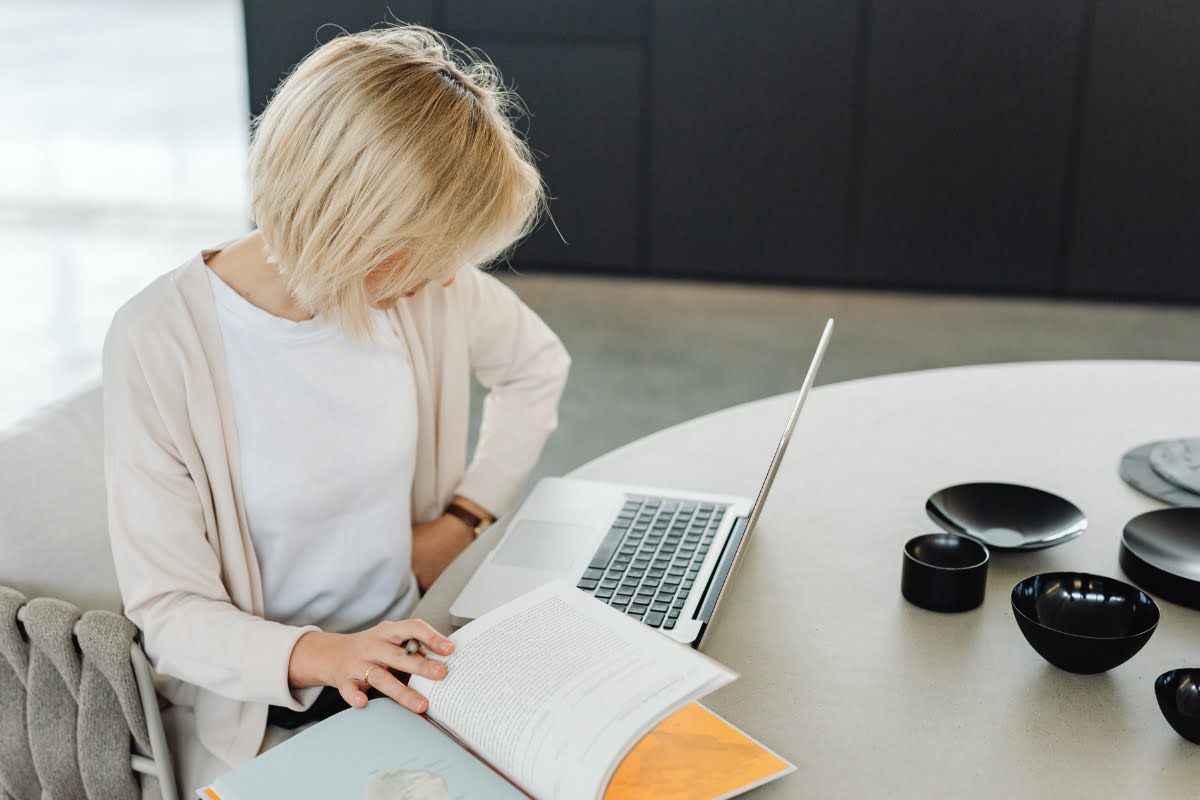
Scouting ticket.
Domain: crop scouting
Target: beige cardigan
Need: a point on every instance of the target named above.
(184, 558)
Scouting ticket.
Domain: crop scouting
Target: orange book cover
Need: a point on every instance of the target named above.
(694, 755)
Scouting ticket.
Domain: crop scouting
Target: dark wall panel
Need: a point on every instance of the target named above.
(1137, 230)
(584, 105)
(278, 35)
(965, 145)
(751, 137)
(617, 19)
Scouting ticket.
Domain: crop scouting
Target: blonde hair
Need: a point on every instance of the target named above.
(388, 147)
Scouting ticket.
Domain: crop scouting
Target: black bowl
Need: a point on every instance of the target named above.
(1178, 693)
(944, 572)
(1083, 623)
(1160, 551)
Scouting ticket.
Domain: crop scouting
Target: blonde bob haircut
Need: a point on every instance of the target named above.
(388, 153)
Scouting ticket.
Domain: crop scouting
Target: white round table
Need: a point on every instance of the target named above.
(871, 696)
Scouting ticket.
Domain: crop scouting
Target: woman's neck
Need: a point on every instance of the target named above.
(244, 266)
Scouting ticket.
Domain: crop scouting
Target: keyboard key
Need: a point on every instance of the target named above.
(678, 604)
(619, 604)
(624, 591)
(593, 573)
(686, 584)
(604, 593)
(604, 553)
(654, 619)
(638, 608)
(669, 624)
(660, 605)
(587, 583)
(674, 615)
(671, 580)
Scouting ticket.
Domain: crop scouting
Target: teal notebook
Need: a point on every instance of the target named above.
(356, 747)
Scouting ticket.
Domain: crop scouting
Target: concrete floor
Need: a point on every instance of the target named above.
(121, 154)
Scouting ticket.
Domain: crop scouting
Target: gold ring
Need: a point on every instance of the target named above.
(367, 676)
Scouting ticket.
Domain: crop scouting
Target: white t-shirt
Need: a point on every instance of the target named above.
(327, 431)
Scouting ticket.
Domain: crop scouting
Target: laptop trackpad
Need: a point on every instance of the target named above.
(550, 546)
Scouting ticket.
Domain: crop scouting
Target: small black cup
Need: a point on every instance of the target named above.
(944, 572)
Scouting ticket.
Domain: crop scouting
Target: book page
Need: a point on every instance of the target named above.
(694, 755)
(341, 757)
(554, 687)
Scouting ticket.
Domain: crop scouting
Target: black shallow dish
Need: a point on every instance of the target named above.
(1160, 551)
(1006, 516)
(944, 572)
(1178, 693)
(1083, 623)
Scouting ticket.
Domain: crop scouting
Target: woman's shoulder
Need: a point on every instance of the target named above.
(159, 311)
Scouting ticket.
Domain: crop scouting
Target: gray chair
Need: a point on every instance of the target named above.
(64, 674)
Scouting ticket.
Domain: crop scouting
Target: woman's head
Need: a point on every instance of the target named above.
(385, 161)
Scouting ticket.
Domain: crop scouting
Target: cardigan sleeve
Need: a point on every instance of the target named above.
(516, 356)
(168, 570)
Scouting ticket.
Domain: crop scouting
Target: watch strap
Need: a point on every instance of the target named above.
(473, 521)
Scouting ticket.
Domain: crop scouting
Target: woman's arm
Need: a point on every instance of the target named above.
(168, 570)
(521, 361)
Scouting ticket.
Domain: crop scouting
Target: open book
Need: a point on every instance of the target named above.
(554, 696)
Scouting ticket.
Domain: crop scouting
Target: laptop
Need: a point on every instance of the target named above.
(661, 556)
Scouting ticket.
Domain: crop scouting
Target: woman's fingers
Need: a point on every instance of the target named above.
(393, 656)
(352, 694)
(390, 685)
(399, 632)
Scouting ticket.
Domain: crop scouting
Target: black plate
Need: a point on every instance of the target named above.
(1160, 551)
(1006, 516)
(1136, 471)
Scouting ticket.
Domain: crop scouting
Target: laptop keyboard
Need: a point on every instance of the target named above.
(649, 560)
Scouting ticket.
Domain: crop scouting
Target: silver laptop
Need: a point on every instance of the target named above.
(659, 555)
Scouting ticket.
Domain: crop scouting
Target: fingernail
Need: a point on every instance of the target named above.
(417, 705)
(439, 671)
(448, 647)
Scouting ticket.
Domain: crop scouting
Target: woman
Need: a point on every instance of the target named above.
(286, 415)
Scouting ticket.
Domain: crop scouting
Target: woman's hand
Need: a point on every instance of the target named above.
(435, 544)
(356, 662)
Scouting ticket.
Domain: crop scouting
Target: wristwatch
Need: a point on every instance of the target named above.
(476, 523)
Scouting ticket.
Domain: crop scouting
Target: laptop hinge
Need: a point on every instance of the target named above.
(717, 581)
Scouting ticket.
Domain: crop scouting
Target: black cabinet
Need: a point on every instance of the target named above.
(965, 141)
(584, 109)
(279, 35)
(613, 20)
(751, 137)
(1137, 222)
(1023, 146)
